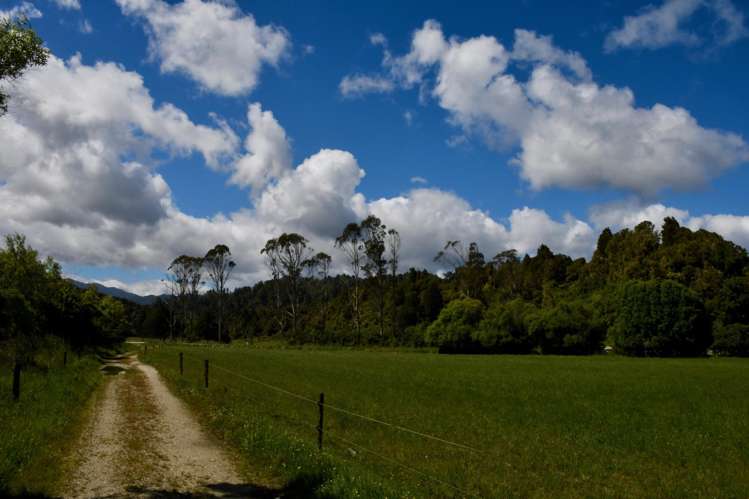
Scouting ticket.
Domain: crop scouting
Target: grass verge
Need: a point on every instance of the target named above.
(39, 429)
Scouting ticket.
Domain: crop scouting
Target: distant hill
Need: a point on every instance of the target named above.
(117, 292)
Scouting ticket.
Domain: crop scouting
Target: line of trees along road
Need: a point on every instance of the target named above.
(39, 307)
(645, 292)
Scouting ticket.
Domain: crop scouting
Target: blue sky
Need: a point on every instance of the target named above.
(414, 112)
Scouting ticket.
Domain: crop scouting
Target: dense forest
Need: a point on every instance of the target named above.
(644, 292)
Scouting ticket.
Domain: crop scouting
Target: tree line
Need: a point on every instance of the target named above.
(644, 292)
(40, 308)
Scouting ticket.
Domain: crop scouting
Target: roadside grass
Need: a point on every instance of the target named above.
(37, 432)
(599, 426)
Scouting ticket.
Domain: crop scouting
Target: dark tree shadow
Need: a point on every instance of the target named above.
(24, 495)
(223, 490)
(303, 486)
(111, 370)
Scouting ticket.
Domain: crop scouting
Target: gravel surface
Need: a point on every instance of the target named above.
(142, 441)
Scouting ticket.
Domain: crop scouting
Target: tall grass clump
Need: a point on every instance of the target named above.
(38, 429)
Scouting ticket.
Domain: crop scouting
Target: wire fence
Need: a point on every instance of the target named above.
(329, 435)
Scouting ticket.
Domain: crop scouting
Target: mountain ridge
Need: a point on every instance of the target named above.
(117, 292)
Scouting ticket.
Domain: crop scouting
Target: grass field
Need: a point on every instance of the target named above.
(36, 432)
(544, 426)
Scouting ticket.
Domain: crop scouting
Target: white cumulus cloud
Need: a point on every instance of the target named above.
(81, 183)
(531, 47)
(80, 175)
(585, 135)
(214, 43)
(569, 131)
(268, 151)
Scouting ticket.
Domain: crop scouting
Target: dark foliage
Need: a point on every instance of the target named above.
(732, 340)
(644, 291)
(660, 318)
(36, 302)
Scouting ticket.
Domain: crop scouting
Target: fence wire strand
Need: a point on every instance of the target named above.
(351, 413)
(237, 391)
(346, 441)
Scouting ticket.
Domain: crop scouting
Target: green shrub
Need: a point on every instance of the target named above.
(568, 328)
(413, 336)
(732, 340)
(660, 318)
(452, 331)
(504, 328)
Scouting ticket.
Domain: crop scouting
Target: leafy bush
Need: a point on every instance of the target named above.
(504, 328)
(452, 330)
(567, 328)
(732, 340)
(413, 336)
(660, 318)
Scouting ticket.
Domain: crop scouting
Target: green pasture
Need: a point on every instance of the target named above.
(595, 426)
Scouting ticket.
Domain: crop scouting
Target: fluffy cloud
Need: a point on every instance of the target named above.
(657, 27)
(268, 151)
(428, 44)
(584, 135)
(213, 43)
(81, 183)
(79, 175)
(531, 47)
(319, 197)
(103, 103)
(732, 227)
(472, 86)
(427, 218)
(571, 131)
(619, 215)
(24, 9)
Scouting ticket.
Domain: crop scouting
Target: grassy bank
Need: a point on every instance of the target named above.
(544, 426)
(38, 430)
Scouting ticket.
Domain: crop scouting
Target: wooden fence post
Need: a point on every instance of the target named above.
(181, 365)
(65, 358)
(206, 372)
(321, 407)
(16, 381)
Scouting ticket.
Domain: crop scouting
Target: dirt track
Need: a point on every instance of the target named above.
(141, 441)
